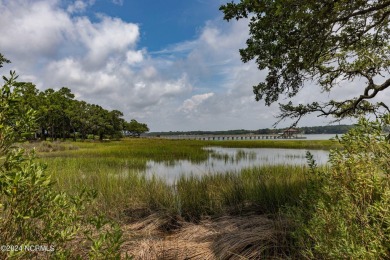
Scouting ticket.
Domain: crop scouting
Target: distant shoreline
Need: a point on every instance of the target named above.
(247, 137)
(330, 129)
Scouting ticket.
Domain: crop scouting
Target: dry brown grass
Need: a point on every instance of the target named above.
(231, 237)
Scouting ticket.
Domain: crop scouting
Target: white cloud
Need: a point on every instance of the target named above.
(79, 6)
(133, 57)
(149, 72)
(98, 60)
(116, 86)
(29, 28)
(110, 37)
(197, 84)
(193, 102)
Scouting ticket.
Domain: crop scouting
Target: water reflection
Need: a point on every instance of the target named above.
(233, 159)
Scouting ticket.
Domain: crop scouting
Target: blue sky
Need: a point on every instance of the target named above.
(172, 64)
(162, 23)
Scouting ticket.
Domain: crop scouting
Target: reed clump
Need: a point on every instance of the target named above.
(264, 190)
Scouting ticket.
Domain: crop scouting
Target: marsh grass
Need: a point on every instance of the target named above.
(47, 147)
(143, 149)
(264, 190)
(116, 171)
(231, 212)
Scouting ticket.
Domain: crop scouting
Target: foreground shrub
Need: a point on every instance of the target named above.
(35, 220)
(345, 213)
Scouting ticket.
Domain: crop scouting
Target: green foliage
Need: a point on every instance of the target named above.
(136, 129)
(328, 129)
(59, 115)
(323, 41)
(3, 60)
(345, 213)
(265, 190)
(106, 244)
(32, 213)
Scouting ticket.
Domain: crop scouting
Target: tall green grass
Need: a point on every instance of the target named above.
(260, 189)
(116, 171)
(143, 149)
(264, 189)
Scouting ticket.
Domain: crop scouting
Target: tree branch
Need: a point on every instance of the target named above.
(361, 12)
(340, 109)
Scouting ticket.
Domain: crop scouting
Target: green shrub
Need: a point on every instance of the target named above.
(345, 213)
(40, 221)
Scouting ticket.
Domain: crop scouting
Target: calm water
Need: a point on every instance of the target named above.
(321, 136)
(233, 159)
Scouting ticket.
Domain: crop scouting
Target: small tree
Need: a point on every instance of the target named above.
(135, 128)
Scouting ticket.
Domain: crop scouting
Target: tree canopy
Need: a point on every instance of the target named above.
(324, 41)
(59, 115)
(134, 128)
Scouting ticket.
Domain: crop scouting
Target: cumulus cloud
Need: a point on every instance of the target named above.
(196, 84)
(199, 80)
(193, 102)
(214, 58)
(99, 60)
(31, 30)
(109, 38)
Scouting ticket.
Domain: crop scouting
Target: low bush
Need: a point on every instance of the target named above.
(345, 212)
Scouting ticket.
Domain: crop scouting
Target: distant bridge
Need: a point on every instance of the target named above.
(234, 137)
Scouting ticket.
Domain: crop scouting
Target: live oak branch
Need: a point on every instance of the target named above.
(327, 42)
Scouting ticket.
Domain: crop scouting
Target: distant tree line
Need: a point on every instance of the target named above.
(329, 129)
(60, 116)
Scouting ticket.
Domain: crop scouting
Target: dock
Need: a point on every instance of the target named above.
(234, 137)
